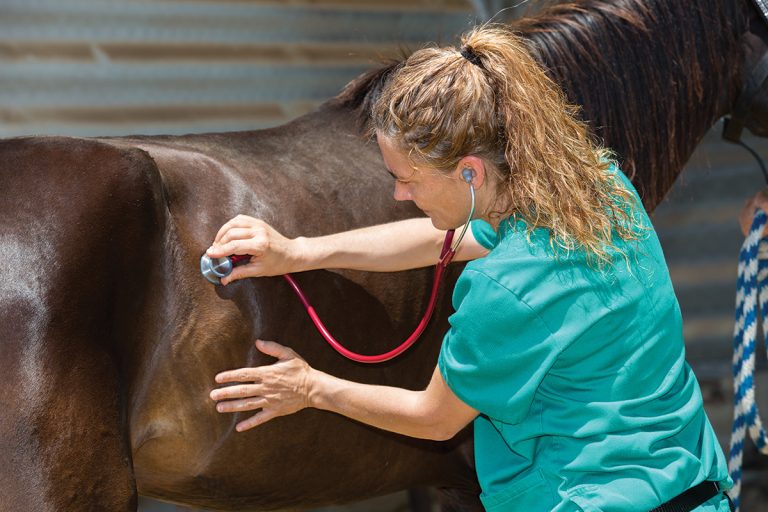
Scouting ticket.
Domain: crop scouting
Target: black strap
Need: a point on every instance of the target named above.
(691, 498)
(734, 124)
(468, 53)
(740, 113)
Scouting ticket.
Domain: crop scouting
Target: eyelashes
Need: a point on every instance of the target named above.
(399, 180)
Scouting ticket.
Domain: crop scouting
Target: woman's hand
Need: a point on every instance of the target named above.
(278, 389)
(271, 253)
(759, 200)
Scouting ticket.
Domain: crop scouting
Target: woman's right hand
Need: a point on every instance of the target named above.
(271, 253)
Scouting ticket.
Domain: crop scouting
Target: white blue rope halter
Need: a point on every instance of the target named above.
(753, 274)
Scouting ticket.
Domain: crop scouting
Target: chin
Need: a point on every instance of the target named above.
(444, 226)
(436, 222)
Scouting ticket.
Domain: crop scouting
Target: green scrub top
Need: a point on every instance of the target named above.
(585, 399)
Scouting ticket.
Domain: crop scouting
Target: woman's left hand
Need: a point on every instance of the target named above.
(278, 389)
(759, 200)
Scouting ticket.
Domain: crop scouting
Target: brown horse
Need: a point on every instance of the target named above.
(110, 338)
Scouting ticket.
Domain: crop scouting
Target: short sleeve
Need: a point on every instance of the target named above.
(484, 233)
(497, 350)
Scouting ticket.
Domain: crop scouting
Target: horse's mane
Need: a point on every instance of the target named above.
(645, 73)
(360, 93)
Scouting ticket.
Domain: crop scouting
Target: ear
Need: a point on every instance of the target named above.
(478, 167)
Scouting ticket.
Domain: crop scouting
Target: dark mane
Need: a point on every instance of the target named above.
(360, 93)
(646, 73)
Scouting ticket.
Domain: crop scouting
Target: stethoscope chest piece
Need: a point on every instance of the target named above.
(213, 269)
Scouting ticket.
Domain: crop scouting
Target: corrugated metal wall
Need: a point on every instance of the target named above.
(88, 67)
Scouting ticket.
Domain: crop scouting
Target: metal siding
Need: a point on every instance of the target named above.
(698, 228)
(99, 67)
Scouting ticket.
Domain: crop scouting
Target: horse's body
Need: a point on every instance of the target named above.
(110, 338)
(142, 334)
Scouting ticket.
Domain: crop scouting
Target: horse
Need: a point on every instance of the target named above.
(110, 338)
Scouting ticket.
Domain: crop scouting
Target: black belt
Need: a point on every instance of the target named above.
(690, 499)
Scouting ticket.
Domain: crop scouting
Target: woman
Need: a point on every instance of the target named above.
(566, 346)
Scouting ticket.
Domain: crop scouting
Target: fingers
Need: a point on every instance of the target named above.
(232, 392)
(248, 245)
(237, 234)
(241, 272)
(761, 200)
(244, 404)
(254, 374)
(239, 375)
(239, 221)
(275, 349)
(240, 235)
(745, 216)
(757, 201)
(257, 419)
(238, 241)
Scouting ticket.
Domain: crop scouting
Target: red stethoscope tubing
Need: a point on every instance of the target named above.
(446, 255)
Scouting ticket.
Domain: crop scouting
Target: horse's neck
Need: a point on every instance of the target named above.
(652, 76)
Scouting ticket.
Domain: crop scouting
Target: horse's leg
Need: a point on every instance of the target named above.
(459, 500)
(419, 499)
(73, 217)
(63, 444)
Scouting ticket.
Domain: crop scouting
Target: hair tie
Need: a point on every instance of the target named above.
(468, 53)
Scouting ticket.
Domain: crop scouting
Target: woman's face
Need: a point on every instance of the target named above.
(444, 197)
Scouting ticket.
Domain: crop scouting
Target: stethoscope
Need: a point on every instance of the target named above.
(213, 269)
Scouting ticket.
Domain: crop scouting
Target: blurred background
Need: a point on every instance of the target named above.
(118, 67)
(86, 67)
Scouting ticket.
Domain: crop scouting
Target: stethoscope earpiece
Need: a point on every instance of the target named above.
(468, 174)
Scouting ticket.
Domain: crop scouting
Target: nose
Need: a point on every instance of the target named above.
(401, 192)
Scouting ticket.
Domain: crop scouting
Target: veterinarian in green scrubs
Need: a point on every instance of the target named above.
(587, 399)
(565, 348)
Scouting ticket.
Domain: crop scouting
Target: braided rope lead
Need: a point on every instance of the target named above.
(753, 274)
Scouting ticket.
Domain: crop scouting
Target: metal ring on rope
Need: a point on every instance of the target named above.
(751, 286)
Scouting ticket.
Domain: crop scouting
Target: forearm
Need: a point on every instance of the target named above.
(402, 245)
(388, 408)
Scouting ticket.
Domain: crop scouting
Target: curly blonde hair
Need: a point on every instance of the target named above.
(497, 103)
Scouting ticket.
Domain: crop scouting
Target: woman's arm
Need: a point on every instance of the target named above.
(401, 245)
(291, 384)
